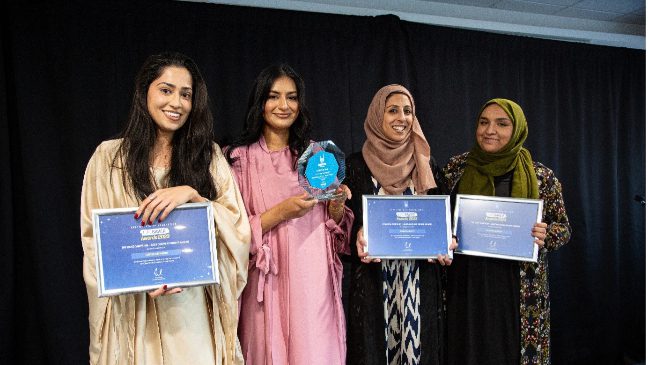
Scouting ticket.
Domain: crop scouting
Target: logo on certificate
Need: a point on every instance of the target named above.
(154, 234)
(495, 217)
(157, 274)
(406, 216)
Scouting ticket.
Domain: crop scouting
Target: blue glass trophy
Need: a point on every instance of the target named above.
(321, 170)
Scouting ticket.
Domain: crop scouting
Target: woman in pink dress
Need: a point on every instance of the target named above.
(291, 308)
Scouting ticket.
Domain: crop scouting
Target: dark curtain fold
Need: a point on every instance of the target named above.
(66, 78)
(6, 208)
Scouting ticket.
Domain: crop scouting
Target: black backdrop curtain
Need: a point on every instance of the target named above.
(66, 76)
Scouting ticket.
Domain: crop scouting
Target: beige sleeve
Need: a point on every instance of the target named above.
(232, 227)
(93, 184)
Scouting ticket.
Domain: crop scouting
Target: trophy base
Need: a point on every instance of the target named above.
(328, 196)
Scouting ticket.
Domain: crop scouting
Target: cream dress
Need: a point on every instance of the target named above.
(197, 326)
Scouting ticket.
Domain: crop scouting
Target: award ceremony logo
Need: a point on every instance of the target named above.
(157, 274)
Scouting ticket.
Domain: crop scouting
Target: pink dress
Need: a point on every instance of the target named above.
(291, 308)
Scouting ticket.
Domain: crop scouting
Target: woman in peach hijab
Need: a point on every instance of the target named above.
(395, 313)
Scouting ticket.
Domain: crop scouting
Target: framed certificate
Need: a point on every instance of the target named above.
(497, 227)
(407, 226)
(179, 252)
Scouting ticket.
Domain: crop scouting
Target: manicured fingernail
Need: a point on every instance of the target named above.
(159, 220)
(136, 215)
(164, 287)
(150, 222)
(143, 223)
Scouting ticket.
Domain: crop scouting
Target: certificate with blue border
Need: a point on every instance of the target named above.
(407, 226)
(497, 227)
(178, 252)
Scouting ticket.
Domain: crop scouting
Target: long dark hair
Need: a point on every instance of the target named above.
(191, 146)
(300, 130)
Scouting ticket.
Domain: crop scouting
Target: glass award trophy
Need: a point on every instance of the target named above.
(321, 170)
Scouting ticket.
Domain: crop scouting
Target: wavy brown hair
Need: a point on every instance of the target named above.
(192, 148)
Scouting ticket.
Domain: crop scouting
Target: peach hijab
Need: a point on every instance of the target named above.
(394, 163)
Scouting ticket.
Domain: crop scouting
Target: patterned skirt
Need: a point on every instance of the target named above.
(401, 299)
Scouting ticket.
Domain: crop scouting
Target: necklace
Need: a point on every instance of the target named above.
(161, 158)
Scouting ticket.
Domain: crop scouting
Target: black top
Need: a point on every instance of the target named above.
(483, 321)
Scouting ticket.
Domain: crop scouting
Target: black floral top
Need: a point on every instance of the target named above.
(534, 286)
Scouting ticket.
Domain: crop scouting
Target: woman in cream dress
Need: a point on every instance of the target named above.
(166, 157)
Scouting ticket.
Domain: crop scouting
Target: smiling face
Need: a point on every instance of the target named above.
(494, 129)
(169, 99)
(282, 106)
(398, 117)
